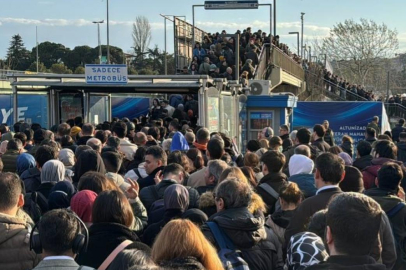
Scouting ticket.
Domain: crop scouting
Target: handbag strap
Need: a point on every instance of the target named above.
(114, 253)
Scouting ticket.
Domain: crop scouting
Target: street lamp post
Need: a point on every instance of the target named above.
(99, 42)
(108, 34)
(310, 53)
(325, 59)
(297, 34)
(36, 41)
(274, 18)
(302, 32)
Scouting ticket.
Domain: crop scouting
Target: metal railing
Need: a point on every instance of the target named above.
(5, 72)
(284, 61)
(395, 110)
(263, 63)
(337, 92)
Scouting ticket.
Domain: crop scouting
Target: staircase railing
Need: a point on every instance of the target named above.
(263, 63)
(395, 110)
(337, 92)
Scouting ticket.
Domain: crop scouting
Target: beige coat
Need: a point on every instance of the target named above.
(15, 251)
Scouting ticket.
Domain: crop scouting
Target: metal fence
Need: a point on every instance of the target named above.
(281, 59)
(395, 110)
(5, 72)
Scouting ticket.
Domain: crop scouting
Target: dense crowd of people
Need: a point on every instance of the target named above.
(158, 194)
(215, 56)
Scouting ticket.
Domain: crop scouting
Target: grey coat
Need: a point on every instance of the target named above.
(60, 265)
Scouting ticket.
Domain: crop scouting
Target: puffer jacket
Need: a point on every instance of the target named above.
(371, 172)
(15, 250)
(259, 246)
(9, 159)
(305, 182)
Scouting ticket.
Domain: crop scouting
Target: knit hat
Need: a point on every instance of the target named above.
(353, 180)
(213, 67)
(300, 164)
(75, 131)
(179, 142)
(346, 157)
(221, 58)
(24, 162)
(82, 204)
(305, 249)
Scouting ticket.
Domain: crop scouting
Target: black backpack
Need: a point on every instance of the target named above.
(35, 205)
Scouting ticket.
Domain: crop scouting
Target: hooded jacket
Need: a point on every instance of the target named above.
(259, 246)
(179, 142)
(301, 173)
(370, 173)
(15, 250)
(388, 200)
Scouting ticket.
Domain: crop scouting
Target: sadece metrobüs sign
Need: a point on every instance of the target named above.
(106, 74)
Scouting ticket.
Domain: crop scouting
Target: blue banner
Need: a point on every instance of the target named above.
(129, 107)
(31, 109)
(345, 118)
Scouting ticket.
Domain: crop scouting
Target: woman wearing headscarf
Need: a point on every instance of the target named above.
(176, 202)
(305, 249)
(52, 172)
(82, 205)
(67, 157)
(301, 173)
(24, 162)
(179, 113)
(88, 160)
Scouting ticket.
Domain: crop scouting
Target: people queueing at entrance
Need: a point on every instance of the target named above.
(165, 193)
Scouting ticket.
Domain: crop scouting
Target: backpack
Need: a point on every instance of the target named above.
(229, 256)
(268, 189)
(399, 243)
(35, 205)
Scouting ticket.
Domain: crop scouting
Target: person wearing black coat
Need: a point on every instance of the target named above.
(31, 179)
(112, 219)
(258, 244)
(364, 157)
(402, 147)
(176, 202)
(398, 129)
(318, 136)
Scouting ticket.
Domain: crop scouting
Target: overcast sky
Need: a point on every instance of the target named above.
(70, 21)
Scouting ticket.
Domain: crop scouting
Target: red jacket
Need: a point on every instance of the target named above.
(371, 172)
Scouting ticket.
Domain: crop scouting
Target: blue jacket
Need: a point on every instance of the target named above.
(179, 142)
(200, 54)
(305, 183)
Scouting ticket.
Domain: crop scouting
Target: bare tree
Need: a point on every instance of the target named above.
(360, 47)
(141, 35)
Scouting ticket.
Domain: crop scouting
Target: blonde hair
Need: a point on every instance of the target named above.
(233, 172)
(181, 238)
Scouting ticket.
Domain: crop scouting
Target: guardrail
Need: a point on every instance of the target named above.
(284, 61)
(5, 72)
(263, 59)
(395, 110)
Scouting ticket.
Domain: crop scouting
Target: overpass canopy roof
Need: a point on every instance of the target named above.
(136, 83)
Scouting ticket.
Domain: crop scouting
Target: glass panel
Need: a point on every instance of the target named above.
(99, 106)
(213, 108)
(70, 106)
(229, 125)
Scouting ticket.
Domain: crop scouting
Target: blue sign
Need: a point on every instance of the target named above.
(106, 74)
(261, 115)
(345, 118)
(31, 109)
